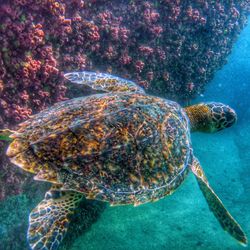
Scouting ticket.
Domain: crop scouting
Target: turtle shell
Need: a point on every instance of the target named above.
(121, 148)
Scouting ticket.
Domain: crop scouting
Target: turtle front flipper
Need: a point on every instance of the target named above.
(226, 220)
(49, 221)
(102, 81)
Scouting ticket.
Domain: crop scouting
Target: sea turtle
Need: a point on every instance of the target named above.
(122, 146)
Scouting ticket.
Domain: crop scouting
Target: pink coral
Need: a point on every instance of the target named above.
(125, 59)
(139, 65)
(146, 50)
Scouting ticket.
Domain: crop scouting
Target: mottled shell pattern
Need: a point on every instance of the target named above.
(124, 148)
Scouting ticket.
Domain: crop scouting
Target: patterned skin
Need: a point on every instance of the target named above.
(49, 221)
(123, 147)
(210, 117)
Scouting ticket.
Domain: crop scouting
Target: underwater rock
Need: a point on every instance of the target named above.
(171, 48)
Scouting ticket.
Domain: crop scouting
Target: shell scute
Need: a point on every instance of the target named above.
(123, 148)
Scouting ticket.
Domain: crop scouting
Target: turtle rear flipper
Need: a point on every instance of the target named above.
(226, 220)
(49, 221)
(102, 81)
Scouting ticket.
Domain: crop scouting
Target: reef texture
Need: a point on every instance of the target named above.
(170, 47)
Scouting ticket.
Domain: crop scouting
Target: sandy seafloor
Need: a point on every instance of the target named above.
(181, 221)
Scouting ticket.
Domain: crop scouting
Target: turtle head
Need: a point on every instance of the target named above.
(222, 116)
(210, 117)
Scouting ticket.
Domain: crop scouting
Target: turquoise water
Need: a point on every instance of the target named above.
(183, 220)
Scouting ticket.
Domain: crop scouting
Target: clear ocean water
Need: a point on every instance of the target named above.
(181, 221)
